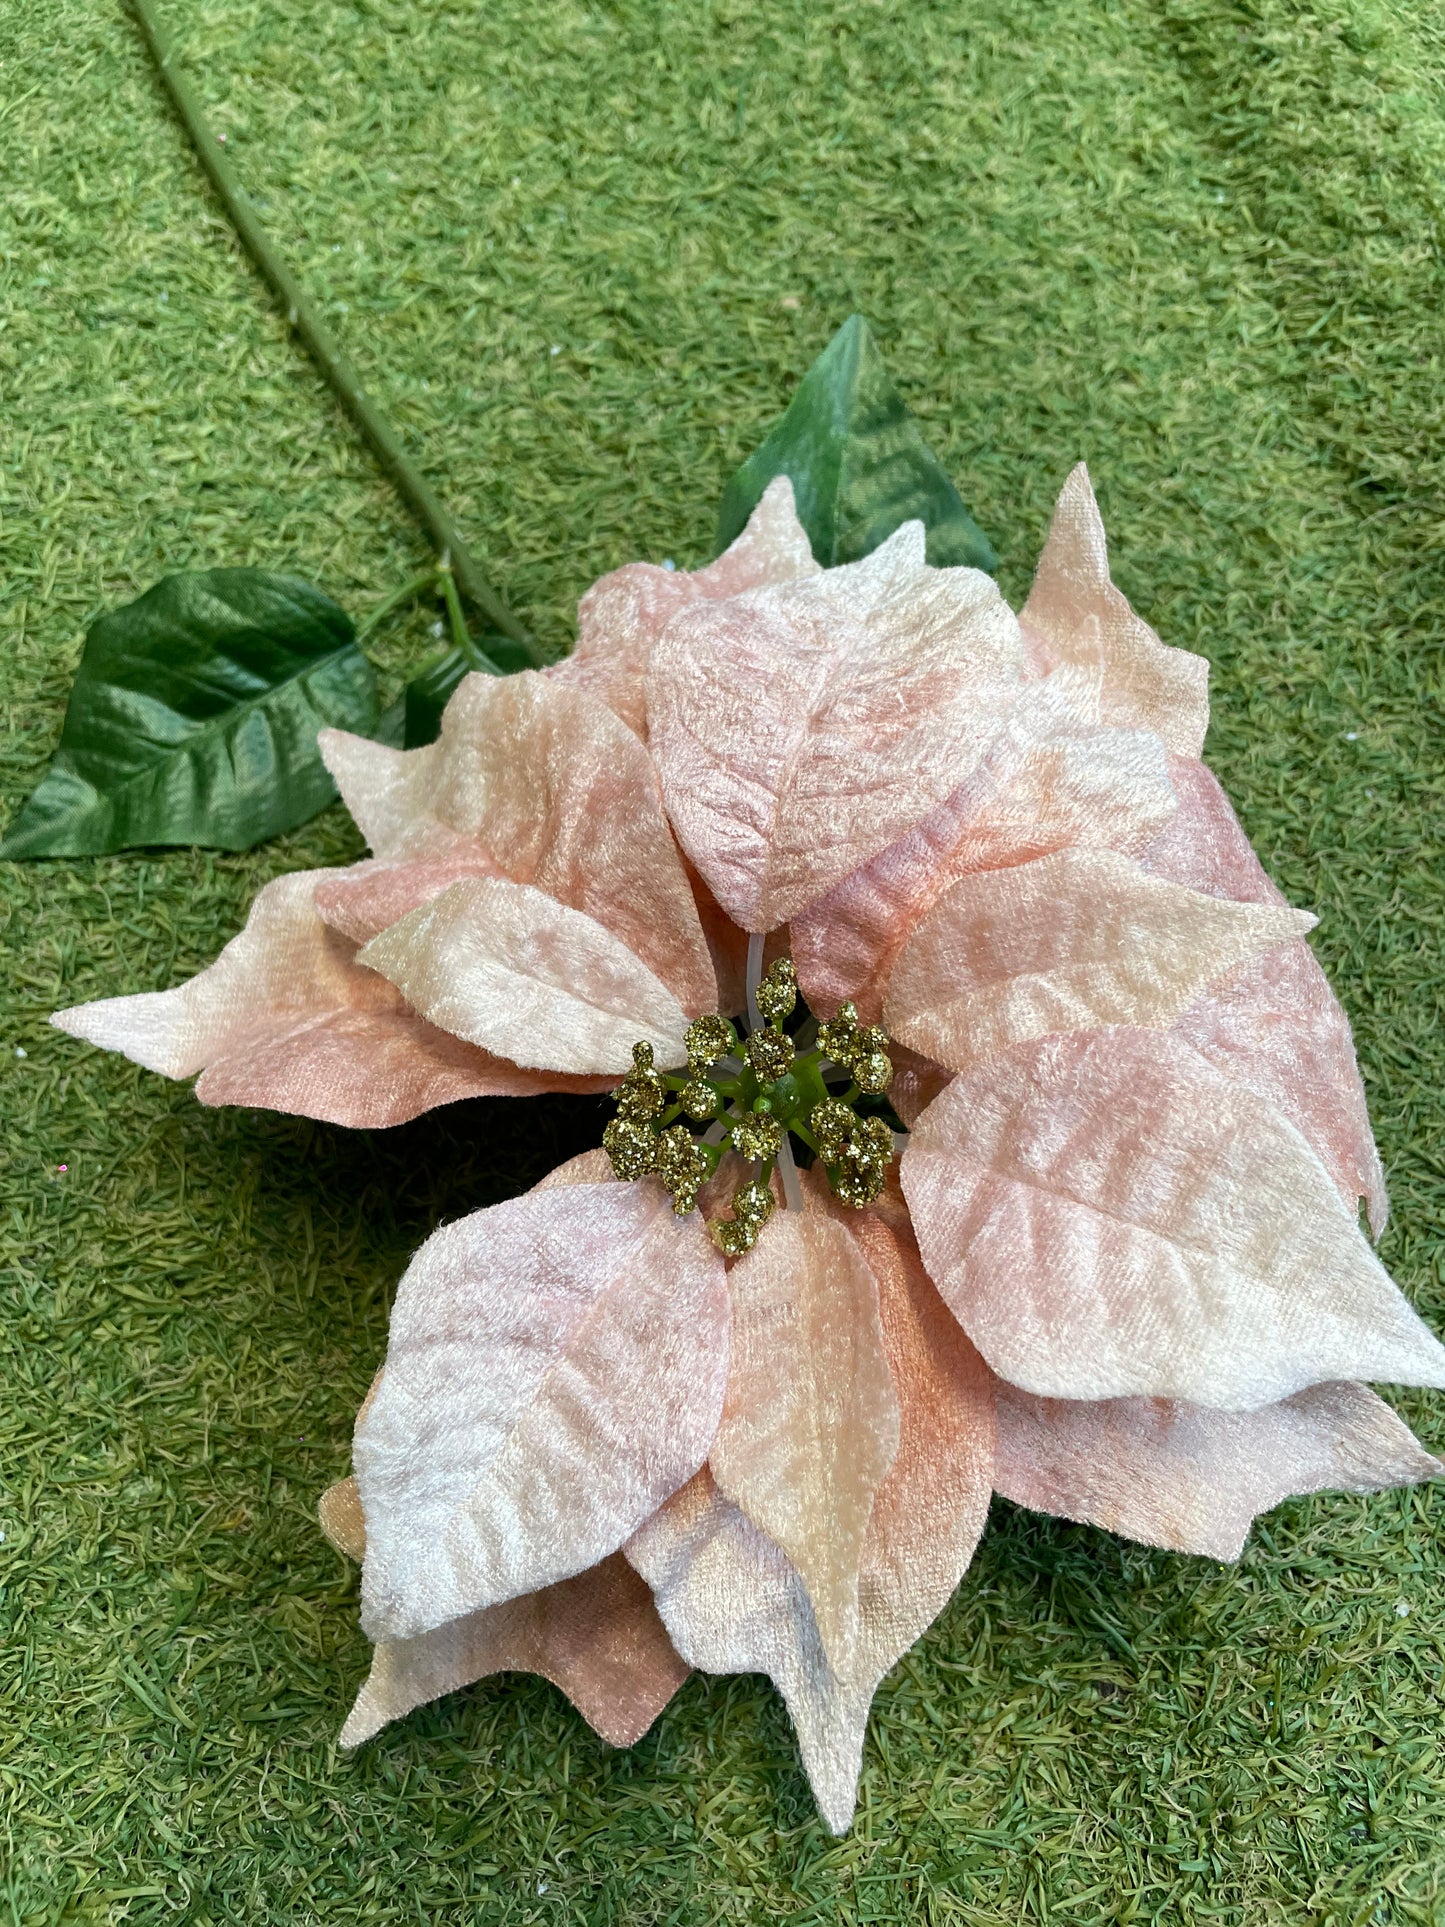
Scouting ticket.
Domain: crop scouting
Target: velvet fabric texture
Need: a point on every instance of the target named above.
(1118, 1274)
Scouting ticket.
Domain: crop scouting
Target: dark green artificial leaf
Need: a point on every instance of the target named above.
(858, 465)
(429, 691)
(193, 718)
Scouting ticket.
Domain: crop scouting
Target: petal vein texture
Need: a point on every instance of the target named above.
(1053, 780)
(503, 966)
(555, 1370)
(285, 1019)
(1191, 1479)
(541, 784)
(810, 1424)
(621, 617)
(799, 730)
(1108, 1215)
(1275, 1024)
(1074, 941)
(733, 1603)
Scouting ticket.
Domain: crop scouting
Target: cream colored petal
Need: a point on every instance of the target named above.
(596, 1636)
(810, 1423)
(555, 1370)
(1109, 1215)
(620, 617)
(734, 1604)
(1192, 1479)
(285, 1020)
(1273, 1023)
(799, 730)
(1073, 941)
(773, 547)
(1052, 780)
(342, 1520)
(540, 784)
(506, 967)
(1074, 614)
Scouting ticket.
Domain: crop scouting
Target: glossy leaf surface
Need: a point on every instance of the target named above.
(858, 465)
(193, 719)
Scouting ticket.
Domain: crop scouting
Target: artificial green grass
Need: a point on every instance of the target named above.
(1196, 241)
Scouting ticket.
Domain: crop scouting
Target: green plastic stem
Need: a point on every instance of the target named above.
(326, 351)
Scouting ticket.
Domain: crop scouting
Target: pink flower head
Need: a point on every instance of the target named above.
(684, 1404)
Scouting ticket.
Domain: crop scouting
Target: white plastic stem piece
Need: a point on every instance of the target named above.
(755, 977)
(792, 1190)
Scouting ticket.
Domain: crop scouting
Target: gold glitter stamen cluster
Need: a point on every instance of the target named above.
(748, 1095)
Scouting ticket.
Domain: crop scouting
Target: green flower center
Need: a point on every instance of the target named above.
(747, 1094)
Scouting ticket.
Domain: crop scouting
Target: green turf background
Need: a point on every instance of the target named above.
(582, 251)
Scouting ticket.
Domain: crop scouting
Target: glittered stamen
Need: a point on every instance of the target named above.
(752, 1106)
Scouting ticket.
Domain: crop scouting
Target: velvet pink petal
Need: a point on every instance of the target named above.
(1191, 1479)
(1274, 1023)
(1073, 941)
(1203, 844)
(285, 1020)
(542, 785)
(621, 616)
(597, 1636)
(810, 1423)
(1108, 1215)
(916, 1082)
(366, 898)
(503, 966)
(799, 730)
(555, 1371)
(1053, 780)
(732, 1602)
(1074, 614)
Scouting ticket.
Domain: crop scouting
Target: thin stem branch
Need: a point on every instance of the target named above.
(325, 349)
(460, 638)
(426, 580)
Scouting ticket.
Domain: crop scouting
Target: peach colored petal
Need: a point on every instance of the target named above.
(799, 730)
(588, 1167)
(621, 617)
(284, 1019)
(543, 785)
(1191, 1479)
(1073, 941)
(506, 967)
(555, 1370)
(366, 898)
(596, 1636)
(1052, 780)
(1274, 1023)
(727, 946)
(916, 1082)
(1203, 845)
(734, 1604)
(342, 1520)
(810, 1423)
(1074, 614)
(1108, 1215)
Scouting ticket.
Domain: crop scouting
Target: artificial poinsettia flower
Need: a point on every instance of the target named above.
(985, 1124)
